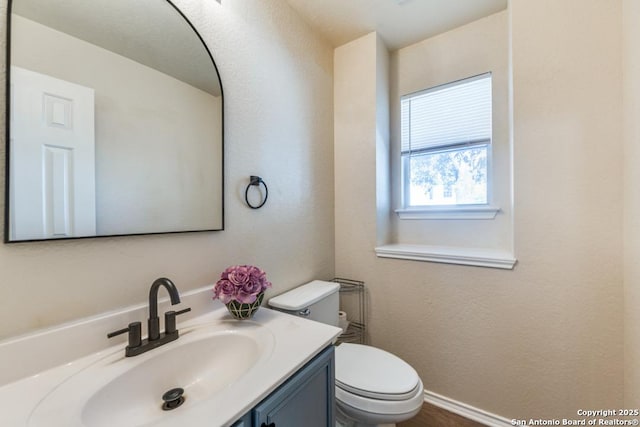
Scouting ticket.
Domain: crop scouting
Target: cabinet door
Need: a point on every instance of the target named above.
(244, 421)
(306, 399)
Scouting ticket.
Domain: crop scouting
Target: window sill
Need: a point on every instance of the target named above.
(450, 212)
(463, 256)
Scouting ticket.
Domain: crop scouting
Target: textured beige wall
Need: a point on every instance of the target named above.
(277, 78)
(545, 339)
(355, 141)
(631, 91)
(568, 187)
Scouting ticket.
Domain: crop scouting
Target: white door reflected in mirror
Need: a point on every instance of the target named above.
(53, 157)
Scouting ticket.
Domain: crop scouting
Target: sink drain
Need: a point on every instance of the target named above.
(173, 398)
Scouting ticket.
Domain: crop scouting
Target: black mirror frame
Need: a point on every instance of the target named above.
(7, 185)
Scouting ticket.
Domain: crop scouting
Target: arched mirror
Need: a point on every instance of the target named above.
(115, 121)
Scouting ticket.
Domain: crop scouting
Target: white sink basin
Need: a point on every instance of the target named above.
(127, 391)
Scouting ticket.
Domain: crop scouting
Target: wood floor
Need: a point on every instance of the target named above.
(433, 416)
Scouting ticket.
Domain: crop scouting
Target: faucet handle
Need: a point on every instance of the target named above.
(135, 334)
(170, 320)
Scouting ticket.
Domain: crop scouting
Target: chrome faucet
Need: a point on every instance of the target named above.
(155, 339)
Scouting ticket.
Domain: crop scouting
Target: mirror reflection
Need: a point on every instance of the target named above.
(116, 121)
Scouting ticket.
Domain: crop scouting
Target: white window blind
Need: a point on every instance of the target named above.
(453, 114)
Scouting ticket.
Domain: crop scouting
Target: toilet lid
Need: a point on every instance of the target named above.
(372, 372)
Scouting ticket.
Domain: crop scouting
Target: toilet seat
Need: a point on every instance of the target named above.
(372, 372)
(373, 380)
(378, 396)
(349, 401)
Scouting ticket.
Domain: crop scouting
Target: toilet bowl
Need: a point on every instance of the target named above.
(373, 386)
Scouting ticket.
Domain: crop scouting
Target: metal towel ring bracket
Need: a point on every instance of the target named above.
(256, 181)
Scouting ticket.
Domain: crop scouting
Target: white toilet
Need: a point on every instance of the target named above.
(373, 387)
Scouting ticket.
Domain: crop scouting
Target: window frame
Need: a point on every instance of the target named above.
(448, 211)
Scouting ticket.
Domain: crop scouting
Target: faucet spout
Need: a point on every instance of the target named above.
(154, 321)
(155, 339)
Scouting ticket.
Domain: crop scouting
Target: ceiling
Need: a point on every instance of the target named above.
(399, 22)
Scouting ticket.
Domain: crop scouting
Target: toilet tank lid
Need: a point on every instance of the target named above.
(305, 295)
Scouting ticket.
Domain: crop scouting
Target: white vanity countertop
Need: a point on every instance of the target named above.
(296, 341)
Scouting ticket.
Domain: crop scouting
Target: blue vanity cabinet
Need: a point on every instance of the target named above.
(305, 399)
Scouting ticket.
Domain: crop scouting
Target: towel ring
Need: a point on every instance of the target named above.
(256, 181)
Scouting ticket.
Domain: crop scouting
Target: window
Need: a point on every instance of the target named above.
(446, 144)
(451, 173)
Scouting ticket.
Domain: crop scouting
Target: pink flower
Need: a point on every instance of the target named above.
(240, 275)
(225, 291)
(242, 283)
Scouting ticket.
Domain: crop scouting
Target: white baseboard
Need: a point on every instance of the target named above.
(465, 410)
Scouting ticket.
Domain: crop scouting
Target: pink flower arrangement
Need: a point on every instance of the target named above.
(242, 283)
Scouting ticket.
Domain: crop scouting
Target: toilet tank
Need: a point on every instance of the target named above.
(317, 300)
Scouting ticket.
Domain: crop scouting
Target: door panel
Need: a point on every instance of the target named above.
(53, 157)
